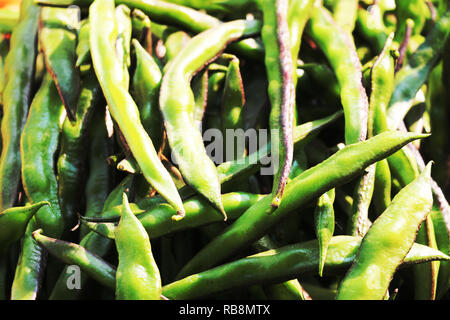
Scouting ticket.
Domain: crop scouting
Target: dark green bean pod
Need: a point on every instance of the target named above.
(177, 104)
(71, 165)
(416, 71)
(145, 90)
(336, 170)
(13, 223)
(200, 86)
(216, 6)
(230, 171)
(388, 241)
(39, 142)
(280, 264)
(114, 83)
(233, 101)
(17, 96)
(58, 30)
(139, 261)
(30, 267)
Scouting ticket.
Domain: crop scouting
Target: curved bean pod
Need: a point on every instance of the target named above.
(388, 241)
(123, 109)
(177, 104)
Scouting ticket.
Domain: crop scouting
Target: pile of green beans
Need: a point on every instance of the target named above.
(225, 149)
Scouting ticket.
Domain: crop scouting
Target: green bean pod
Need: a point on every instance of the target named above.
(4, 49)
(71, 254)
(139, 261)
(345, 13)
(230, 171)
(58, 28)
(83, 50)
(17, 96)
(13, 223)
(38, 146)
(263, 268)
(123, 109)
(123, 39)
(324, 223)
(334, 171)
(30, 267)
(177, 104)
(387, 242)
(72, 159)
(157, 221)
(382, 86)
(145, 90)
(279, 264)
(341, 53)
(233, 102)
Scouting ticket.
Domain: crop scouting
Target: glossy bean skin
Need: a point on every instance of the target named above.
(157, 221)
(113, 81)
(413, 74)
(184, 138)
(341, 53)
(39, 142)
(255, 221)
(388, 241)
(19, 70)
(138, 261)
